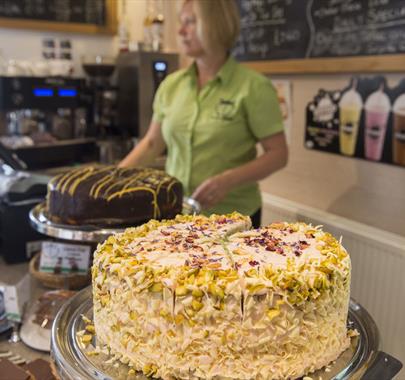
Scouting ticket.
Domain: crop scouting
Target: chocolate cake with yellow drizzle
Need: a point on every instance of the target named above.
(111, 195)
(209, 298)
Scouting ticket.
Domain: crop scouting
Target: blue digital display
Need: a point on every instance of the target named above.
(160, 66)
(67, 92)
(43, 92)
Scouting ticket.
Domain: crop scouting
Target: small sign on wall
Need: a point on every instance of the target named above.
(365, 120)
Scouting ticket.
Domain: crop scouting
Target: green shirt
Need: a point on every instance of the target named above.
(216, 128)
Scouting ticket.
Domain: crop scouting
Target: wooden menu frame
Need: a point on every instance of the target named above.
(381, 63)
(109, 28)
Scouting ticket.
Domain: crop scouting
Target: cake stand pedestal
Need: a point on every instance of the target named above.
(86, 233)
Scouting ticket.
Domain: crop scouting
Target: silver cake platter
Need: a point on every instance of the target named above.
(41, 222)
(362, 360)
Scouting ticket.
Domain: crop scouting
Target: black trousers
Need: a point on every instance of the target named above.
(256, 218)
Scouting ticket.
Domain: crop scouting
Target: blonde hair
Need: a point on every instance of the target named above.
(218, 23)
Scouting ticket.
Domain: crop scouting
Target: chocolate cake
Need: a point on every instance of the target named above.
(48, 305)
(37, 369)
(40, 369)
(9, 370)
(106, 195)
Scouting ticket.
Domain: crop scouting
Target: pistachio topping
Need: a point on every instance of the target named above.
(207, 297)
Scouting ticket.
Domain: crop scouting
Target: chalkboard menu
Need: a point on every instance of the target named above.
(78, 11)
(92, 15)
(302, 29)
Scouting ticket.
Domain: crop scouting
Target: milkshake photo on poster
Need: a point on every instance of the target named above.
(366, 119)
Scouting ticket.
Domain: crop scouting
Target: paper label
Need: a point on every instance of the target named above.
(15, 297)
(64, 258)
(2, 303)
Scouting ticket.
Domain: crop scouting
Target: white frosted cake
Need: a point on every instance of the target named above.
(200, 297)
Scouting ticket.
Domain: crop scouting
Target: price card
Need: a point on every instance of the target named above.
(2, 303)
(14, 296)
(4, 323)
(64, 258)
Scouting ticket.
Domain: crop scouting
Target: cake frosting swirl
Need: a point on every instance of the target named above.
(208, 297)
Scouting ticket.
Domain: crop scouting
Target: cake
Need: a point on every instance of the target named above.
(112, 195)
(38, 369)
(207, 297)
(48, 305)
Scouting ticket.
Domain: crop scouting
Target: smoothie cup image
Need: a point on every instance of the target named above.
(378, 107)
(350, 107)
(398, 136)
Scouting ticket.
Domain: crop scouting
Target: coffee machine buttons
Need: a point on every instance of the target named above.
(159, 70)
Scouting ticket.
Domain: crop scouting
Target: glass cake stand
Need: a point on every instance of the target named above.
(86, 233)
(362, 360)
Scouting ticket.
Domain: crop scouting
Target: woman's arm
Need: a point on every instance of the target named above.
(148, 149)
(274, 158)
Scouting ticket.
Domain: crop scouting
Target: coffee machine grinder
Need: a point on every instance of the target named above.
(99, 70)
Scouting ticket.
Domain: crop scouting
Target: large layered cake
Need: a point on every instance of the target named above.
(208, 297)
(112, 195)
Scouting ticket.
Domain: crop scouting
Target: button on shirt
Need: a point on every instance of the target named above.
(216, 128)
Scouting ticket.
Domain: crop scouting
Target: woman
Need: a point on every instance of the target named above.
(211, 115)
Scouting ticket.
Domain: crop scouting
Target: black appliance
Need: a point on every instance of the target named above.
(44, 121)
(99, 70)
(138, 75)
(40, 93)
(20, 191)
(18, 241)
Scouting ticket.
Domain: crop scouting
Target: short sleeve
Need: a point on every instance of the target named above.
(263, 110)
(158, 104)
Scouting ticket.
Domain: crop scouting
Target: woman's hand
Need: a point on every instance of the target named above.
(212, 191)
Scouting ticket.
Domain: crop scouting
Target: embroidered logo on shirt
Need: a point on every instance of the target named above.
(224, 110)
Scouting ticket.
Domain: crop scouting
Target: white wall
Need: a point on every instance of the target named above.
(26, 44)
(135, 11)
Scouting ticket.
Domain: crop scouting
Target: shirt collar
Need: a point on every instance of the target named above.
(224, 73)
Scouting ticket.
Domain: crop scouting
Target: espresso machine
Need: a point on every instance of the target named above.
(44, 121)
(122, 90)
(43, 127)
(103, 93)
(138, 75)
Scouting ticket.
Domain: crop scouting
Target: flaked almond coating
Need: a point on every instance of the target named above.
(207, 297)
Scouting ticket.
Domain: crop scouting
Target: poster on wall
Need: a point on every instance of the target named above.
(366, 119)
